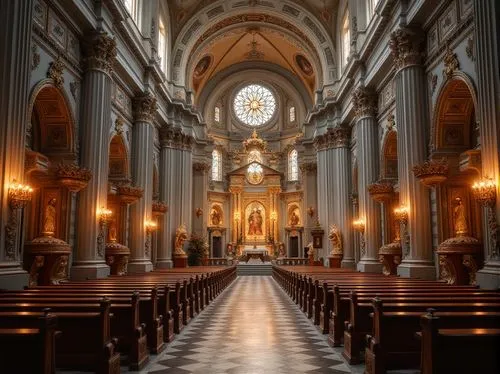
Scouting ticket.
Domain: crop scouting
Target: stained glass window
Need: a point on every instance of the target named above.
(292, 114)
(255, 173)
(293, 166)
(216, 165)
(254, 105)
(346, 39)
(217, 114)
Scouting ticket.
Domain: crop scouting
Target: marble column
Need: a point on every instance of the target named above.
(310, 188)
(16, 18)
(412, 119)
(186, 178)
(169, 194)
(342, 190)
(200, 188)
(365, 106)
(88, 259)
(486, 39)
(144, 109)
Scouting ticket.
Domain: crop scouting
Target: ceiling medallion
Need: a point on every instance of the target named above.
(254, 105)
(255, 173)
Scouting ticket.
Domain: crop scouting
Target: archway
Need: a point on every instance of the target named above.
(50, 154)
(456, 139)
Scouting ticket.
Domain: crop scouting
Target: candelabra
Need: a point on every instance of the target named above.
(485, 192)
(401, 216)
(149, 226)
(18, 196)
(104, 216)
(359, 226)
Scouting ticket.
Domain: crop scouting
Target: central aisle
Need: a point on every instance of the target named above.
(252, 327)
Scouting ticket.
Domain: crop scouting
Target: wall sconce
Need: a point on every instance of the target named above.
(401, 216)
(18, 196)
(150, 226)
(310, 211)
(198, 212)
(485, 192)
(359, 225)
(104, 216)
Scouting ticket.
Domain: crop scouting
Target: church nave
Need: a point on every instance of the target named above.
(253, 327)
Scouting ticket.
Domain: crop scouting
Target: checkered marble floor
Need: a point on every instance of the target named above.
(252, 327)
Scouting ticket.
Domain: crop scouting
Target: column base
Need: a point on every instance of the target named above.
(489, 276)
(348, 263)
(164, 264)
(139, 266)
(422, 270)
(13, 277)
(369, 266)
(89, 270)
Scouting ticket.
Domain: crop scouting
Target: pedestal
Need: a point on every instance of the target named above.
(459, 259)
(390, 257)
(180, 262)
(334, 261)
(117, 256)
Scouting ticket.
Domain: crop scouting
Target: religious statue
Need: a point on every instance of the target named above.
(255, 222)
(215, 217)
(59, 270)
(112, 232)
(294, 219)
(49, 220)
(335, 238)
(461, 227)
(311, 252)
(281, 249)
(180, 237)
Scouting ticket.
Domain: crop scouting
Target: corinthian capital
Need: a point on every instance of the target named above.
(201, 167)
(100, 53)
(406, 47)
(338, 137)
(144, 108)
(365, 102)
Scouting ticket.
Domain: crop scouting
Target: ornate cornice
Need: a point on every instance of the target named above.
(309, 167)
(100, 53)
(144, 108)
(406, 47)
(365, 102)
(338, 137)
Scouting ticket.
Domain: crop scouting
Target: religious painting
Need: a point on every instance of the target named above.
(202, 66)
(255, 221)
(216, 215)
(293, 215)
(304, 65)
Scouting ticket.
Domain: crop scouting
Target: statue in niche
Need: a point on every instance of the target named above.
(311, 251)
(49, 221)
(59, 270)
(112, 232)
(255, 222)
(215, 217)
(294, 219)
(181, 236)
(461, 226)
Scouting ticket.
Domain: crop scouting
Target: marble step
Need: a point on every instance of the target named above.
(254, 269)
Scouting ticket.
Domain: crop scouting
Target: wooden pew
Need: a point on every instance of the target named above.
(28, 333)
(393, 344)
(84, 342)
(458, 351)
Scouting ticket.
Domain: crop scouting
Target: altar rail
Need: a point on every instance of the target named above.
(218, 261)
(292, 261)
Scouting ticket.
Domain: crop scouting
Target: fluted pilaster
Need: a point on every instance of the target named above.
(365, 107)
(94, 146)
(486, 19)
(142, 173)
(411, 117)
(15, 53)
(200, 187)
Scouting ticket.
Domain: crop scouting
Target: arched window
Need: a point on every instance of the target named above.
(217, 114)
(373, 5)
(346, 39)
(162, 45)
(216, 165)
(132, 8)
(293, 166)
(292, 114)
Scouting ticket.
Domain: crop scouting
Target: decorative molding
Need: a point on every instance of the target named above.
(55, 72)
(391, 122)
(364, 102)
(119, 122)
(144, 108)
(171, 137)
(100, 53)
(35, 57)
(469, 49)
(434, 81)
(74, 86)
(201, 167)
(451, 63)
(406, 47)
(309, 167)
